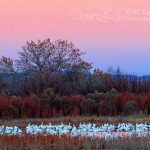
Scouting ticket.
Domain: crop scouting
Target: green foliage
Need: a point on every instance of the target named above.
(36, 99)
(96, 96)
(105, 108)
(12, 112)
(131, 107)
(48, 96)
(88, 106)
(57, 102)
(103, 104)
(111, 94)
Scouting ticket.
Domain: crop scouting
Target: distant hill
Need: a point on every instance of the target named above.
(130, 77)
(22, 76)
(145, 78)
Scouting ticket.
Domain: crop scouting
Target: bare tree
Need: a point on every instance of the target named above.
(45, 55)
(34, 56)
(66, 56)
(6, 65)
(42, 58)
(6, 71)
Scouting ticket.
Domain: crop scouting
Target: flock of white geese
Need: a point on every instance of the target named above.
(106, 131)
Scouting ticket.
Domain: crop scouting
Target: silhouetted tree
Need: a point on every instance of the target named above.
(45, 57)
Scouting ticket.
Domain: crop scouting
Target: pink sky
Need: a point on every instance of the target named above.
(123, 43)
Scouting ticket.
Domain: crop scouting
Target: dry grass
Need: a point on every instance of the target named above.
(41, 142)
(22, 123)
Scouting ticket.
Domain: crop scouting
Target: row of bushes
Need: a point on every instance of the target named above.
(49, 104)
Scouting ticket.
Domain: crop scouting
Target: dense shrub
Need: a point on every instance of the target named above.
(96, 96)
(131, 107)
(88, 106)
(48, 96)
(12, 112)
(111, 94)
(65, 106)
(36, 99)
(105, 108)
(57, 102)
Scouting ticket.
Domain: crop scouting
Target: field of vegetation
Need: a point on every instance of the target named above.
(41, 142)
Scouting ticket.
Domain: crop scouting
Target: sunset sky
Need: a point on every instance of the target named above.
(118, 39)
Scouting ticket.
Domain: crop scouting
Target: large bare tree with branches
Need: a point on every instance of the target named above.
(45, 55)
(44, 58)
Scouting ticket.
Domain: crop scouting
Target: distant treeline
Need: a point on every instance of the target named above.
(70, 82)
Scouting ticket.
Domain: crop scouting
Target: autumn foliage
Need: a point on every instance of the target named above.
(106, 104)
